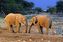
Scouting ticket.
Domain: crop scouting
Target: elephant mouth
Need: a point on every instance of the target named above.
(36, 22)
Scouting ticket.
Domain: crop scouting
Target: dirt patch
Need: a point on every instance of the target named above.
(28, 37)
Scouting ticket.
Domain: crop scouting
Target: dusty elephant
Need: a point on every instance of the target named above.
(15, 19)
(43, 21)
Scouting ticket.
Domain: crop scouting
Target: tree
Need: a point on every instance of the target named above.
(59, 6)
(38, 9)
(7, 6)
(52, 10)
(16, 6)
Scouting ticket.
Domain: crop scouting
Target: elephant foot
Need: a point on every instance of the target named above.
(29, 32)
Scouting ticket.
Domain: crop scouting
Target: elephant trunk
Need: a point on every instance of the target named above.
(26, 24)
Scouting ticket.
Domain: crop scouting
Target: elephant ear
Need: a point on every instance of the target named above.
(36, 20)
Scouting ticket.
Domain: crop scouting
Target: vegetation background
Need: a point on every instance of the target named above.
(25, 7)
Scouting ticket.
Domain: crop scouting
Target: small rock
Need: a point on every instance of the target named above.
(42, 39)
(48, 40)
(24, 41)
(19, 40)
(54, 31)
(30, 39)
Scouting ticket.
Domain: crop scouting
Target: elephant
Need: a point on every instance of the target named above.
(42, 21)
(15, 19)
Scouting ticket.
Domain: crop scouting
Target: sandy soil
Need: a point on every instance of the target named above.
(28, 37)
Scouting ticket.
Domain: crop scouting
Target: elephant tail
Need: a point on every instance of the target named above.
(50, 24)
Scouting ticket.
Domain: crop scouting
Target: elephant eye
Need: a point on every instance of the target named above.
(36, 20)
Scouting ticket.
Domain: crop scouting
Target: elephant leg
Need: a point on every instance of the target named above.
(26, 24)
(26, 27)
(8, 27)
(12, 28)
(41, 29)
(47, 26)
(46, 30)
(25, 30)
(30, 27)
(19, 27)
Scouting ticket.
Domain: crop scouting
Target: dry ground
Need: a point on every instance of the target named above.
(28, 37)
